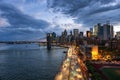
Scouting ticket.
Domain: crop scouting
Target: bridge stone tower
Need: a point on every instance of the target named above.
(49, 41)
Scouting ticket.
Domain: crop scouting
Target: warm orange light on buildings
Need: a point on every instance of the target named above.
(94, 52)
(88, 33)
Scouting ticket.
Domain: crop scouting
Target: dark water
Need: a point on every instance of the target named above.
(29, 62)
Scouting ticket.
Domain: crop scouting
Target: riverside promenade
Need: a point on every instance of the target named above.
(72, 67)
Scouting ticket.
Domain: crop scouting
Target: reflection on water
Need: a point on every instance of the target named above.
(29, 62)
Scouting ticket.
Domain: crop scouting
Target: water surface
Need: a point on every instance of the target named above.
(29, 62)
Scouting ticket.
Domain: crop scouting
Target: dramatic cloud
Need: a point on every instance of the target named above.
(21, 26)
(88, 12)
(4, 22)
(17, 18)
(32, 19)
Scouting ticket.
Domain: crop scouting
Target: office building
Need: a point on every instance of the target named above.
(95, 30)
(118, 34)
(81, 34)
(91, 30)
(88, 34)
(76, 33)
(103, 32)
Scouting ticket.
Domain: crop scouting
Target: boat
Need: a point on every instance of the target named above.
(64, 51)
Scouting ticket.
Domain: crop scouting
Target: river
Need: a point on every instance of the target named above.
(29, 62)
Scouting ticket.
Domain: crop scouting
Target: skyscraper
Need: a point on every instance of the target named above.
(65, 32)
(118, 34)
(100, 34)
(81, 35)
(88, 34)
(103, 32)
(95, 30)
(91, 30)
(64, 37)
(108, 31)
(76, 33)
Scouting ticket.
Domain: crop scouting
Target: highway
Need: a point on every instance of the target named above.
(71, 68)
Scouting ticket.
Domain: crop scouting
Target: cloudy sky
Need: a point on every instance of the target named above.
(32, 19)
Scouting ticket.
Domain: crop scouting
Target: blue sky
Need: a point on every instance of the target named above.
(31, 19)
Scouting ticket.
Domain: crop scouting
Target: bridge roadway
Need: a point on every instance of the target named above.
(41, 43)
(72, 67)
(21, 42)
(25, 42)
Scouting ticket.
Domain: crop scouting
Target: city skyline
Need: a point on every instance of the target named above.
(31, 19)
(59, 39)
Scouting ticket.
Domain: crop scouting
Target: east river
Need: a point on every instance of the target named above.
(29, 62)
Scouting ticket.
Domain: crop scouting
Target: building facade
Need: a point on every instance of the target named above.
(76, 33)
(103, 32)
(118, 34)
